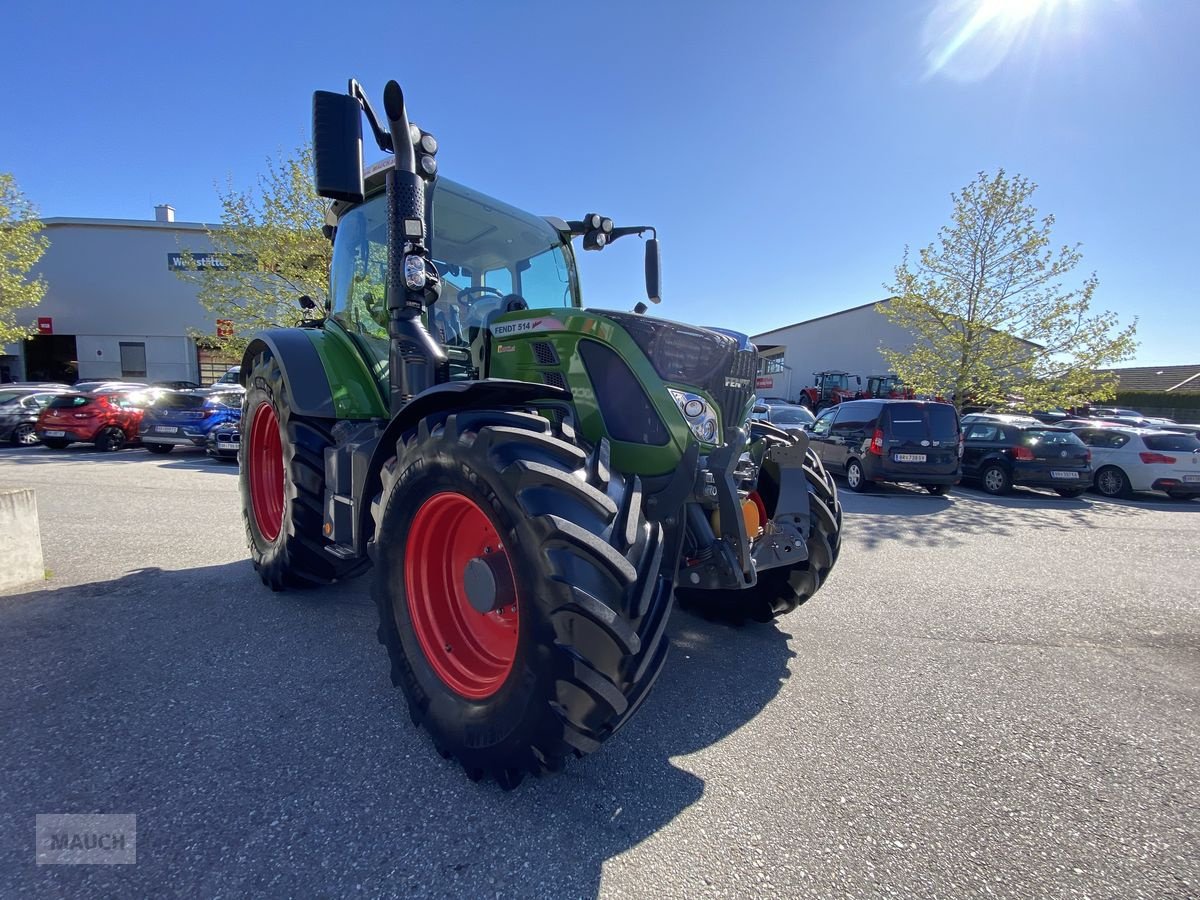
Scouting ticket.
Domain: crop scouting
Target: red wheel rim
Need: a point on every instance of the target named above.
(471, 652)
(265, 460)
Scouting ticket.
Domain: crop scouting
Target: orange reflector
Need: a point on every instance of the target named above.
(751, 517)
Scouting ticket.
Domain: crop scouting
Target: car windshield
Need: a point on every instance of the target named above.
(69, 401)
(791, 415)
(1184, 443)
(178, 401)
(1051, 438)
(12, 396)
(924, 421)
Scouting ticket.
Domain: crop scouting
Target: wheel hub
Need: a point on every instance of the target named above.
(461, 594)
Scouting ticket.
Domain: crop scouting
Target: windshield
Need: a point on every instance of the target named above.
(484, 249)
(179, 401)
(1184, 443)
(1051, 438)
(791, 415)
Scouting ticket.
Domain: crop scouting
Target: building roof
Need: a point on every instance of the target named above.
(128, 223)
(1158, 378)
(840, 312)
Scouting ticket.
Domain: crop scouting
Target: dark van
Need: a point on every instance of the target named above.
(890, 440)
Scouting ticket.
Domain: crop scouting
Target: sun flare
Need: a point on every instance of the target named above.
(967, 39)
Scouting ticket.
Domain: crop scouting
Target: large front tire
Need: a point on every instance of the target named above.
(283, 486)
(574, 632)
(779, 591)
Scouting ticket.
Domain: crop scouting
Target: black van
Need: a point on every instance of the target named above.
(890, 440)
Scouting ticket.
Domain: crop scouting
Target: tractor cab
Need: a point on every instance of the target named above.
(888, 387)
(829, 388)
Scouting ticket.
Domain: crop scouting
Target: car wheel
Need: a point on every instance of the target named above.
(1069, 493)
(110, 439)
(995, 480)
(1111, 482)
(24, 435)
(855, 477)
(938, 490)
(160, 449)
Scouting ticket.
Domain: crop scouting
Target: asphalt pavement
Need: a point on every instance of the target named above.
(990, 698)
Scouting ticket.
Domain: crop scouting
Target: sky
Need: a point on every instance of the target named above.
(786, 152)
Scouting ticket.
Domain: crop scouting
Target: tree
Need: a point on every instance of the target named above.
(268, 251)
(21, 246)
(989, 314)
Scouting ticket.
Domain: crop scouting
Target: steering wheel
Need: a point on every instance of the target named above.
(480, 309)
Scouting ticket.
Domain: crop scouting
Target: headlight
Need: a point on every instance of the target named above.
(701, 417)
(414, 272)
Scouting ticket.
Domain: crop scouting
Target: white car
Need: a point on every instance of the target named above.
(1143, 459)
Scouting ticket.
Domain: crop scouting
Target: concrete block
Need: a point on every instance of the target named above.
(20, 539)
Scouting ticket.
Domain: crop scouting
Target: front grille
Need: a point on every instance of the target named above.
(555, 379)
(545, 353)
(733, 391)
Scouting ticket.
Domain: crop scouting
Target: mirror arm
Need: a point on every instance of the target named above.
(382, 137)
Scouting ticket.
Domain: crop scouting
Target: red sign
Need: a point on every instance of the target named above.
(764, 381)
(45, 325)
(224, 328)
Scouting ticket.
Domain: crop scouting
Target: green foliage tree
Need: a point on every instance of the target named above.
(268, 251)
(21, 246)
(989, 313)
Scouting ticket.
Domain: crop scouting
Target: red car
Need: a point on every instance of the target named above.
(110, 421)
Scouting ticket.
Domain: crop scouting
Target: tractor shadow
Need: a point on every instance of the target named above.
(260, 743)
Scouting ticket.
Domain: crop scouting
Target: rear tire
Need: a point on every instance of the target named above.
(24, 435)
(1112, 482)
(586, 571)
(160, 449)
(995, 480)
(110, 439)
(779, 591)
(855, 478)
(283, 486)
(938, 490)
(56, 443)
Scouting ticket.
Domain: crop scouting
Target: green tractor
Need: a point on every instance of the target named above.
(529, 480)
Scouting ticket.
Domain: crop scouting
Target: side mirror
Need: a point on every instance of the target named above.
(653, 272)
(337, 146)
(307, 302)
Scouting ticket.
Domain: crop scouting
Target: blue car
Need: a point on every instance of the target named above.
(178, 419)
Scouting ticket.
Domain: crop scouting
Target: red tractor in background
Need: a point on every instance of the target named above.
(888, 387)
(831, 388)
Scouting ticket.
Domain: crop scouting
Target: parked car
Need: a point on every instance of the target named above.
(233, 375)
(110, 421)
(1002, 451)
(1009, 418)
(177, 385)
(19, 411)
(1139, 459)
(788, 416)
(890, 440)
(224, 441)
(1182, 428)
(35, 385)
(107, 387)
(177, 419)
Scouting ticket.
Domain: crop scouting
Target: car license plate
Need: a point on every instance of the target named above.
(226, 445)
(165, 429)
(909, 457)
(1190, 479)
(55, 433)
(1064, 475)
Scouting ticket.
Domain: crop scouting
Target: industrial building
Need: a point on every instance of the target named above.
(114, 306)
(846, 341)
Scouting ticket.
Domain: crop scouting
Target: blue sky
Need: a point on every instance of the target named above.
(787, 152)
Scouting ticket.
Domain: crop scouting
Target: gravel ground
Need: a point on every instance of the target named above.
(992, 698)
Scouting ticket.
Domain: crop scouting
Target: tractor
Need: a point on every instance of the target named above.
(888, 387)
(527, 479)
(829, 389)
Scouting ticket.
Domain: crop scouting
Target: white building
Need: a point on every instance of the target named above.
(846, 341)
(114, 306)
